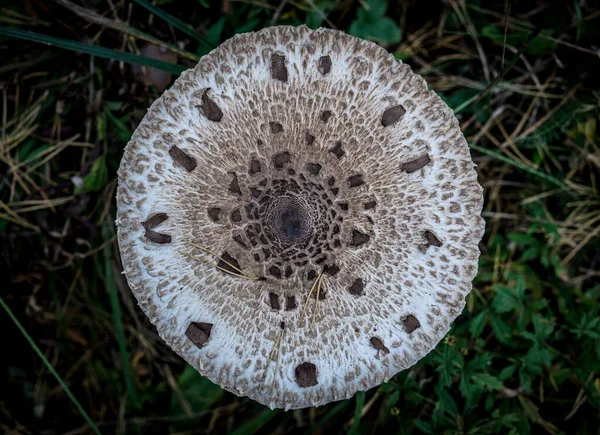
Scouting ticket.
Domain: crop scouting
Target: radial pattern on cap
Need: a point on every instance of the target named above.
(299, 216)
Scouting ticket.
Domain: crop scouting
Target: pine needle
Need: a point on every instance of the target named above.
(241, 274)
(187, 254)
(308, 297)
(316, 301)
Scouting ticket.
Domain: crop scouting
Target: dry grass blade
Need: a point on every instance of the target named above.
(242, 273)
(124, 28)
(314, 316)
(92, 50)
(308, 296)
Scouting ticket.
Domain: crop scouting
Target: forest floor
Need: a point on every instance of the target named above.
(79, 356)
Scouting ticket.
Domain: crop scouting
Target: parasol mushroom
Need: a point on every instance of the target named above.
(299, 216)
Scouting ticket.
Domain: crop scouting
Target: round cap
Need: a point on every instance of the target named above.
(299, 216)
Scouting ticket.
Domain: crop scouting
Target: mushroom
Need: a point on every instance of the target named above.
(299, 216)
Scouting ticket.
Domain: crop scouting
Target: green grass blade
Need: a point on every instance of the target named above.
(118, 321)
(360, 403)
(333, 412)
(174, 22)
(101, 20)
(253, 425)
(49, 367)
(93, 50)
(492, 85)
(522, 166)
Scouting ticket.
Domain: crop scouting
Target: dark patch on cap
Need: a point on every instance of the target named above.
(359, 238)
(182, 158)
(275, 271)
(153, 222)
(356, 180)
(306, 375)
(325, 115)
(357, 288)
(332, 269)
(274, 300)
(288, 271)
(278, 68)
(309, 138)
(234, 186)
(281, 159)
(275, 127)
(255, 167)
(392, 115)
(241, 242)
(236, 215)
(313, 168)
(210, 109)
(290, 303)
(214, 214)
(343, 206)
(324, 64)
(159, 238)
(199, 333)
(432, 240)
(369, 205)
(337, 150)
(255, 192)
(415, 165)
(226, 258)
(378, 344)
(411, 323)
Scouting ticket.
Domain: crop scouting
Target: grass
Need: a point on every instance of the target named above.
(77, 77)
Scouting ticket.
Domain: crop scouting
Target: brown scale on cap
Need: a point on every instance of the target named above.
(214, 213)
(324, 65)
(359, 238)
(182, 158)
(431, 240)
(415, 165)
(234, 186)
(290, 303)
(283, 161)
(149, 225)
(357, 288)
(306, 375)
(325, 115)
(199, 333)
(255, 167)
(278, 69)
(275, 127)
(411, 323)
(392, 115)
(274, 300)
(210, 109)
(378, 344)
(356, 180)
(337, 150)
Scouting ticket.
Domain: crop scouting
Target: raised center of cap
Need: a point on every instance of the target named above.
(287, 220)
(290, 223)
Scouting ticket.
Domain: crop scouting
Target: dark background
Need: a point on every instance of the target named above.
(523, 80)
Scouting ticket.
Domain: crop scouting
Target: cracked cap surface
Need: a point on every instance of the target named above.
(291, 160)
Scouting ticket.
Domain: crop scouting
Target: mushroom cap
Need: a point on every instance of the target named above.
(291, 160)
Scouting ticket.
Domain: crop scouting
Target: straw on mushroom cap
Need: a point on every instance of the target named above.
(299, 216)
